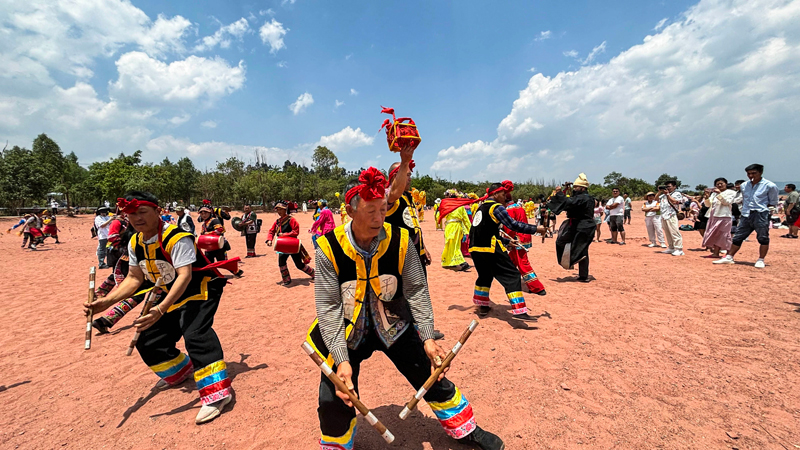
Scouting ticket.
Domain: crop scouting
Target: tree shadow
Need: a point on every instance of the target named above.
(788, 303)
(234, 369)
(409, 434)
(5, 388)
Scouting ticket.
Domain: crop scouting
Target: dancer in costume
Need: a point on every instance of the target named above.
(250, 230)
(457, 225)
(32, 229)
(576, 233)
(436, 213)
(371, 289)
(487, 250)
(21, 223)
(50, 227)
(185, 308)
(519, 251)
(422, 201)
(323, 224)
(118, 247)
(210, 224)
(287, 226)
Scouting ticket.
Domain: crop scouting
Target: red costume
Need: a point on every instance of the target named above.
(519, 256)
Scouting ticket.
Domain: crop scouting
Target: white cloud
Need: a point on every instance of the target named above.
(180, 120)
(532, 69)
(346, 139)
(353, 92)
(285, 2)
(272, 32)
(698, 99)
(593, 54)
(265, 12)
(224, 35)
(144, 80)
(348, 56)
(212, 151)
(660, 24)
(282, 64)
(571, 53)
(544, 35)
(304, 101)
(209, 124)
(338, 104)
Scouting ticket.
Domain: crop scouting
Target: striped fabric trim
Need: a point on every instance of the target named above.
(530, 276)
(481, 296)
(344, 442)
(455, 415)
(213, 382)
(175, 370)
(517, 303)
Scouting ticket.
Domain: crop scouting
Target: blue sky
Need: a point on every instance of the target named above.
(515, 90)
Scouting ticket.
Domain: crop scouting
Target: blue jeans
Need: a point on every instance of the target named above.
(314, 240)
(757, 221)
(101, 251)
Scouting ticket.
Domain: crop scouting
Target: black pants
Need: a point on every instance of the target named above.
(408, 355)
(250, 241)
(498, 266)
(298, 260)
(583, 267)
(219, 255)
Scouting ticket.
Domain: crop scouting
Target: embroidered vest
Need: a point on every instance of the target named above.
(390, 312)
(155, 261)
(484, 236)
(403, 214)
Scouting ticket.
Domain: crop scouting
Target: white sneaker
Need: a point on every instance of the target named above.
(669, 250)
(760, 264)
(210, 412)
(663, 245)
(725, 260)
(652, 245)
(678, 252)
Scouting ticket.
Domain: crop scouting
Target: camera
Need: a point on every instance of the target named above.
(662, 188)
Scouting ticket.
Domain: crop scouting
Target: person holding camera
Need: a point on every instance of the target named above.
(671, 201)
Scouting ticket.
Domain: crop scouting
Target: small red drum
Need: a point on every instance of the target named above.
(210, 242)
(288, 245)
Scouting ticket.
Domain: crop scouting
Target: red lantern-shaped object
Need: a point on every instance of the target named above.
(400, 132)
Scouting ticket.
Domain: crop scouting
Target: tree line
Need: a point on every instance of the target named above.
(29, 177)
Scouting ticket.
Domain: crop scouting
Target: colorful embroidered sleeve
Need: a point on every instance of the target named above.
(502, 216)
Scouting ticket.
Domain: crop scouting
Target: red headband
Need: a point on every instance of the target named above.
(372, 186)
(206, 201)
(130, 206)
(506, 185)
(393, 172)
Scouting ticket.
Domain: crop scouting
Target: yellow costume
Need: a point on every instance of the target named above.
(343, 213)
(436, 215)
(530, 209)
(421, 205)
(456, 226)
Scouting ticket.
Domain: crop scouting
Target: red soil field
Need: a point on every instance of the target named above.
(659, 352)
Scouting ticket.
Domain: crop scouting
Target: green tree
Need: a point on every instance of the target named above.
(72, 176)
(324, 161)
(664, 177)
(22, 179)
(612, 179)
(700, 187)
(48, 156)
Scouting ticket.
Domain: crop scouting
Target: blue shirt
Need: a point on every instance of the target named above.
(758, 198)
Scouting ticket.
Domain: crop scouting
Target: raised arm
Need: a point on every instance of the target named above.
(398, 185)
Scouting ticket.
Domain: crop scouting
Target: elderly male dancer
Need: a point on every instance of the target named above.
(187, 303)
(577, 232)
(370, 289)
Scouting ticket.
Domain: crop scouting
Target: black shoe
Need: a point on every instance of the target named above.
(526, 317)
(583, 280)
(484, 310)
(464, 267)
(542, 292)
(103, 266)
(100, 325)
(437, 335)
(484, 440)
(239, 274)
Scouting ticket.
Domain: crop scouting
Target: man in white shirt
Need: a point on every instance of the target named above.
(616, 208)
(671, 201)
(628, 208)
(101, 222)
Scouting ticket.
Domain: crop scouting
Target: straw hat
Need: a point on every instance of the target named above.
(650, 193)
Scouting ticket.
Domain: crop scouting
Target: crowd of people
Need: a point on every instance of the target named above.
(370, 270)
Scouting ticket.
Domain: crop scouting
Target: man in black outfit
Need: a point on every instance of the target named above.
(577, 232)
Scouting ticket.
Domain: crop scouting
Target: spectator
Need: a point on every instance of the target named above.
(598, 218)
(792, 210)
(757, 196)
(670, 202)
(736, 208)
(53, 206)
(718, 230)
(652, 219)
(185, 221)
(698, 214)
(101, 223)
(628, 206)
(616, 207)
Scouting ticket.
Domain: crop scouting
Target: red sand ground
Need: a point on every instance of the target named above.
(659, 352)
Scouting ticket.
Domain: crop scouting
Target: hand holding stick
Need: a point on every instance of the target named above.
(326, 369)
(435, 375)
(89, 312)
(148, 303)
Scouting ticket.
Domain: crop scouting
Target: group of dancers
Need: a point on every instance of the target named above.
(35, 228)
(371, 288)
